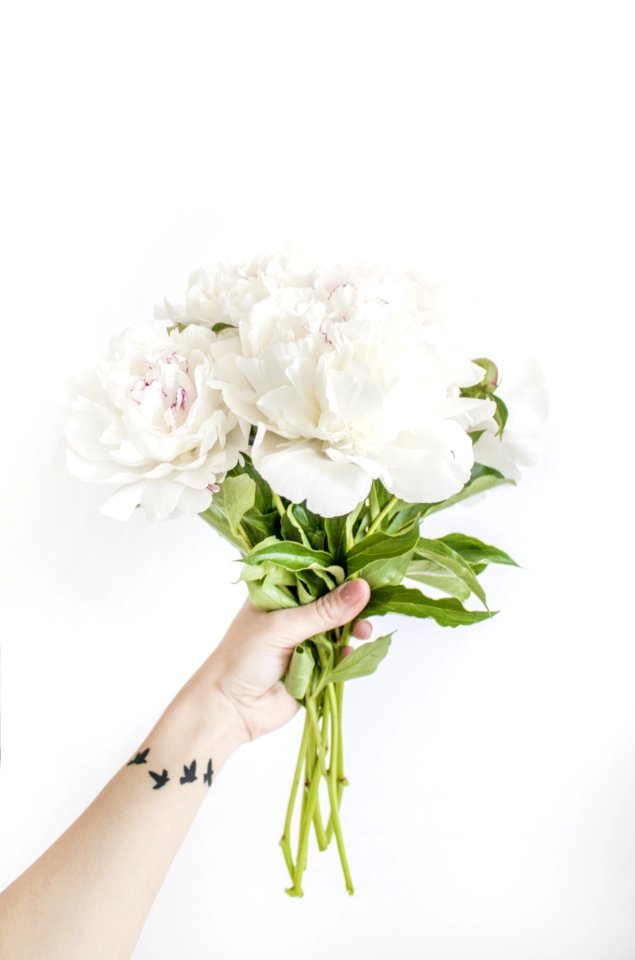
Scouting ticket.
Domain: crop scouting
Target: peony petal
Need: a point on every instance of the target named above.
(299, 470)
(439, 466)
(122, 503)
(192, 501)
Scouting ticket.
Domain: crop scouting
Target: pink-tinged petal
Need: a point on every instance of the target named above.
(300, 470)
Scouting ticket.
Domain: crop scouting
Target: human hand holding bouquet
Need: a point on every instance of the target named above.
(313, 417)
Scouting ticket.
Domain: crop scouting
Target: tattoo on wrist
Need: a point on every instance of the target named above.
(160, 779)
(189, 773)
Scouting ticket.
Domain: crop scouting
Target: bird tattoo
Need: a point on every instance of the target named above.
(160, 780)
(189, 773)
(140, 758)
(207, 776)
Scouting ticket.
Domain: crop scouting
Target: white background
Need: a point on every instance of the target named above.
(492, 799)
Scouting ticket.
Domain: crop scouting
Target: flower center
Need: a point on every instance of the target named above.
(164, 389)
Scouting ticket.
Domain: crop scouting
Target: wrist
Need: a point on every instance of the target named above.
(207, 718)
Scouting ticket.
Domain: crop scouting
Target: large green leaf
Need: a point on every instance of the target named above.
(264, 499)
(442, 554)
(413, 603)
(475, 551)
(432, 575)
(363, 661)
(381, 546)
(293, 556)
(239, 496)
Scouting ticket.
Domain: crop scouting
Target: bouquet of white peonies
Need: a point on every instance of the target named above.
(313, 416)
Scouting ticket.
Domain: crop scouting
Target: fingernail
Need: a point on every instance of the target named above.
(352, 591)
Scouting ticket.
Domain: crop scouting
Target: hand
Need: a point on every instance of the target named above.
(255, 652)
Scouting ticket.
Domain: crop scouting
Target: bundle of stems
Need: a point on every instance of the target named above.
(321, 756)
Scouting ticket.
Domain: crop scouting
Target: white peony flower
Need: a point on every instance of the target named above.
(148, 422)
(227, 293)
(349, 377)
(525, 394)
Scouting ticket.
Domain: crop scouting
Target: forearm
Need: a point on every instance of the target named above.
(89, 894)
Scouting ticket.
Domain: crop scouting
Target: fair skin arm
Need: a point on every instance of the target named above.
(89, 894)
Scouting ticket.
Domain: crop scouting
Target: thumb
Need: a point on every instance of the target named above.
(334, 609)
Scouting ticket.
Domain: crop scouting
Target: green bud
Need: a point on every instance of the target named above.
(490, 380)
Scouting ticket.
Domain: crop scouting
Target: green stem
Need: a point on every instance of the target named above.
(333, 793)
(380, 516)
(307, 816)
(285, 839)
(343, 634)
(341, 779)
(279, 504)
(317, 813)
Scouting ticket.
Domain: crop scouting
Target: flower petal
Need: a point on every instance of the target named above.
(300, 470)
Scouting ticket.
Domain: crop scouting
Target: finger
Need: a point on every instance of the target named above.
(362, 629)
(334, 609)
(345, 652)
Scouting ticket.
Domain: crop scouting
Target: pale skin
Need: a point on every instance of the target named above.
(112, 860)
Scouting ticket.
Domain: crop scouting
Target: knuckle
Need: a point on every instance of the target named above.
(327, 607)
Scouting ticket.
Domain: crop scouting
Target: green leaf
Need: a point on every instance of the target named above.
(293, 556)
(373, 501)
(443, 555)
(239, 496)
(321, 580)
(304, 595)
(290, 530)
(334, 527)
(383, 495)
(381, 546)
(268, 596)
(214, 518)
(259, 527)
(475, 551)
(380, 573)
(264, 499)
(405, 516)
(483, 478)
(217, 327)
(298, 675)
(432, 575)
(351, 520)
(310, 521)
(501, 415)
(413, 603)
(363, 661)
(298, 524)
(270, 573)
